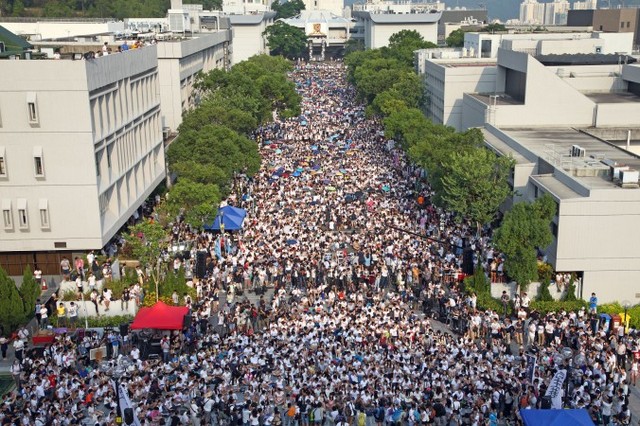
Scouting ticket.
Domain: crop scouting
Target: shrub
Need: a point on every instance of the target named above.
(104, 321)
(69, 296)
(557, 305)
(543, 294)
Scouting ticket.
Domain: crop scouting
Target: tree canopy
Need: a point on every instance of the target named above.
(214, 138)
(525, 228)
(285, 40)
(403, 43)
(287, 9)
(11, 305)
(456, 38)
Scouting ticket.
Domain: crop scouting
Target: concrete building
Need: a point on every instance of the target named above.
(598, 203)
(80, 148)
(625, 20)
(326, 32)
(378, 27)
(333, 7)
(453, 19)
(585, 5)
(179, 62)
(451, 74)
(247, 35)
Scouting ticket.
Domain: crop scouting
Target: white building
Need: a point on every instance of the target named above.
(334, 7)
(326, 32)
(531, 12)
(81, 149)
(179, 62)
(248, 40)
(379, 27)
(452, 73)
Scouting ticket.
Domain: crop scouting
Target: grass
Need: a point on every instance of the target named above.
(6, 383)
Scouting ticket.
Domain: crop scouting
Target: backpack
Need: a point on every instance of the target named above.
(362, 419)
(312, 416)
(291, 412)
(348, 410)
(378, 414)
(416, 415)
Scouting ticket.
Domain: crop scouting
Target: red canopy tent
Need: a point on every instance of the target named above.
(160, 317)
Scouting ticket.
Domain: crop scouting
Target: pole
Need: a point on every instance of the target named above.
(86, 314)
(118, 410)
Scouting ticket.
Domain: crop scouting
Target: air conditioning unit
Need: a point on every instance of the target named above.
(616, 171)
(629, 177)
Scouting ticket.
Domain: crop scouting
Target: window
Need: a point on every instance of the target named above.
(7, 214)
(621, 24)
(628, 24)
(44, 213)
(23, 216)
(38, 162)
(98, 156)
(3, 163)
(32, 108)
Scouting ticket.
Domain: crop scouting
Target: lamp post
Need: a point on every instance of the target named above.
(116, 370)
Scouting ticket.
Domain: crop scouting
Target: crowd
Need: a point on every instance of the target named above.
(347, 337)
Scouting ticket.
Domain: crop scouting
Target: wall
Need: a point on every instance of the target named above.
(380, 33)
(61, 29)
(616, 114)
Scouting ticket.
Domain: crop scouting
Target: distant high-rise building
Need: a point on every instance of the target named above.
(555, 13)
(531, 12)
(585, 5)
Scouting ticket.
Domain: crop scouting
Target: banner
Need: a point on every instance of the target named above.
(554, 391)
(531, 367)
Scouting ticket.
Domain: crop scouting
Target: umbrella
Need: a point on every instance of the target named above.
(386, 188)
(278, 151)
(314, 147)
(316, 167)
(343, 171)
(330, 188)
(292, 242)
(303, 123)
(296, 173)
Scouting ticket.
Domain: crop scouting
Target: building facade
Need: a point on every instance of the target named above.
(80, 148)
(179, 62)
(247, 35)
(379, 27)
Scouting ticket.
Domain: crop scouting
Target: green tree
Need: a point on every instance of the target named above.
(285, 40)
(11, 306)
(29, 292)
(147, 239)
(456, 38)
(288, 9)
(525, 228)
(196, 202)
(403, 43)
(353, 45)
(18, 8)
(475, 183)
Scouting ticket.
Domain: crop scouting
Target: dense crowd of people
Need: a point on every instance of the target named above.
(344, 335)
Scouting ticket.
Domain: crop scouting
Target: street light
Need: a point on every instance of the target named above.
(116, 370)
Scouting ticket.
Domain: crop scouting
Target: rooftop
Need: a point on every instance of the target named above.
(554, 144)
(496, 99)
(612, 97)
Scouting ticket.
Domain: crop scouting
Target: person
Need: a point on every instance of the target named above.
(124, 300)
(61, 315)
(593, 304)
(44, 316)
(16, 372)
(505, 303)
(4, 345)
(106, 297)
(73, 314)
(65, 268)
(37, 313)
(165, 345)
(94, 299)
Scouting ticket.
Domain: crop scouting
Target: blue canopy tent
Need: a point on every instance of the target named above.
(556, 417)
(231, 217)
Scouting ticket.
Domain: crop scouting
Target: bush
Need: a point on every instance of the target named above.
(104, 321)
(616, 309)
(543, 294)
(571, 290)
(557, 305)
(69, 296)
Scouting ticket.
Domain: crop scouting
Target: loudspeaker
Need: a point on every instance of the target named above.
(124, 330)
(186, 254)
(545, 403)
(467, 261)
(128, 416)
(201, 260)
(187, 321)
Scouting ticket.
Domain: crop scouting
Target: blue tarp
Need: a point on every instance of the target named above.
(232, 218)
(556, 418)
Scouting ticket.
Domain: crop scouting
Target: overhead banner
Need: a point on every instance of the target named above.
(554, 391)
